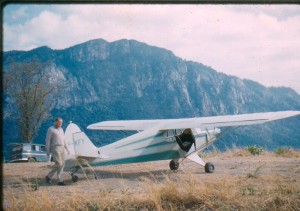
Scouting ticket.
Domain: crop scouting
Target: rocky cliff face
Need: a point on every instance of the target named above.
(127, 79)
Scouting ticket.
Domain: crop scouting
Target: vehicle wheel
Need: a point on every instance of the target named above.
(74, 178)
(174, 165)
(31, 160)
(209, 168)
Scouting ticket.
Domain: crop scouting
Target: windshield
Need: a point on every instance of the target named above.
(16, 148)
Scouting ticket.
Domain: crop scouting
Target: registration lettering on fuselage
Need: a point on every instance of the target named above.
(78, 142)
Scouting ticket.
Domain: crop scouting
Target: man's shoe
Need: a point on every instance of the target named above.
(61, 184)
(48, 180)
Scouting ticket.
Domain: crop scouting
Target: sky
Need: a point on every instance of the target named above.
(256, 42)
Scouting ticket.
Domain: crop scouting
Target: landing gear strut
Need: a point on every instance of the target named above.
(81, 162)
(209, 167)
(174, 165)
(75, 177)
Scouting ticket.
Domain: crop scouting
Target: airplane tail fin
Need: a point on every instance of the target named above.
(78, 143)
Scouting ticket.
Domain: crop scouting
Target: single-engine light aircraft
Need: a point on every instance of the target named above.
(160, 139)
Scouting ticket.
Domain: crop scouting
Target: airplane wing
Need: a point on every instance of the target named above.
(201, 122)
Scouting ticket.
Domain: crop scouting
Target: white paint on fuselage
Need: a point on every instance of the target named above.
(145, 146)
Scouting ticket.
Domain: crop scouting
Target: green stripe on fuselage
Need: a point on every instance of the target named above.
(172, 154)
(141, 140)
(163, 143)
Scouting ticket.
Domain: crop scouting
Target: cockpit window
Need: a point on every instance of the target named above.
(174, 132)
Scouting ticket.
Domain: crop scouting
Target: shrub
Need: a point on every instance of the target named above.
(254, 150)
(282, 150)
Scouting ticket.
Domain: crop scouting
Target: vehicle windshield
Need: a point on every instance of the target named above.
(16, 148)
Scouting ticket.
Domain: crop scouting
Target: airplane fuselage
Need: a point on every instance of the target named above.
(141, 147)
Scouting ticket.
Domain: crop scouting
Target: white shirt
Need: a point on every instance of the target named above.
(55, 137)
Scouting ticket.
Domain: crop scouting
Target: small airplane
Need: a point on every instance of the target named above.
(159, 139)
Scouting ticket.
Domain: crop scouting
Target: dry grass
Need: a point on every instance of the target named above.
(244, 152)
(26, 190)
(227, 193)
(287, 152)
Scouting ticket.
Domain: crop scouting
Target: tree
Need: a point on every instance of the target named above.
(27, 84)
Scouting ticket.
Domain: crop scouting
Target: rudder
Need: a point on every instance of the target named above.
(78, 143)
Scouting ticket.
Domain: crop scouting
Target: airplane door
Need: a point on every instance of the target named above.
(186, 140)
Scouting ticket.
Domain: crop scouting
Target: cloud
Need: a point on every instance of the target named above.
(19, 13)
(258, 42)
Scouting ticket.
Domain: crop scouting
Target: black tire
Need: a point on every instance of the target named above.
(209, 168)
(74, 178)
(173, 165)
(31, 160)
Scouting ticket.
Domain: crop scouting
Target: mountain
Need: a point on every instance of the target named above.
(127, 79)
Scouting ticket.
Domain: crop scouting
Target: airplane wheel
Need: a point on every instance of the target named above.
(74, 178)
(209, 168)
(174, 165)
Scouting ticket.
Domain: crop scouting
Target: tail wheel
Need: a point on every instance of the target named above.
(209, 168)
(74, 178)
(174, 165)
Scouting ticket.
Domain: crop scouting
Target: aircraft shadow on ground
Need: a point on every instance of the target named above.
(137, 175)
(157, 175)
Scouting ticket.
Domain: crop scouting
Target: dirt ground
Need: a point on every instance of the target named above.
(133, 176)
(240, 182)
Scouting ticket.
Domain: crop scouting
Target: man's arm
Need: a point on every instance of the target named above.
(67, 149)
(48, 139)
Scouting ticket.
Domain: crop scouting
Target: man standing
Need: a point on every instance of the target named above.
(56, 144)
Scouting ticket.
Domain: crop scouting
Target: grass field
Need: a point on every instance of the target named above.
(241, 181)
